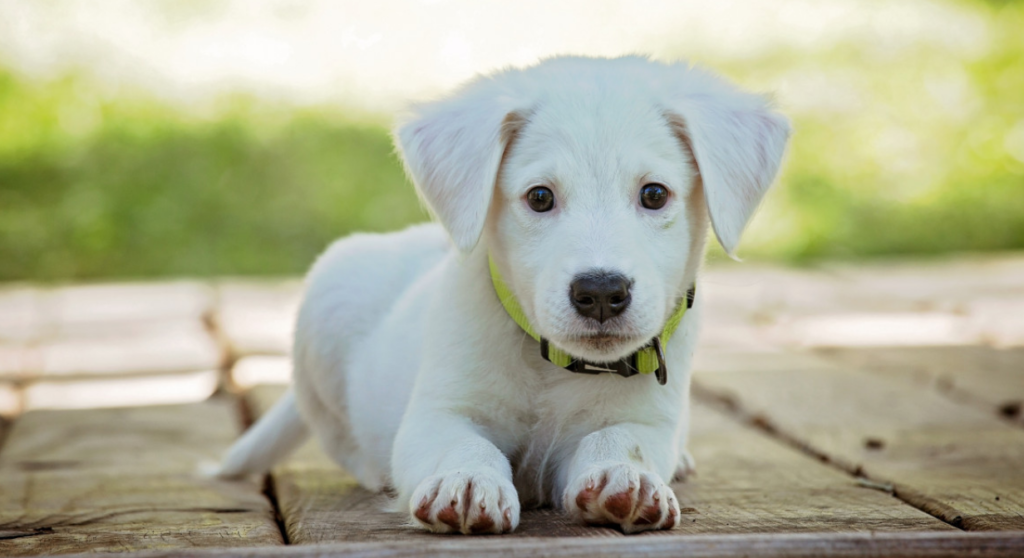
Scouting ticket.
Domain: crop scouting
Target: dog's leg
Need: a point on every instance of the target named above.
(611, 480)
(459, 481)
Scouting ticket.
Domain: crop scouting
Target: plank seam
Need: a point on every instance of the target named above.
(247, 418)
(270, 491)
(760, 422)
(6, 425)
(1011, 411)
(228, 355)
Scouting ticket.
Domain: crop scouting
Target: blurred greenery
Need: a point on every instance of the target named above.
(907, 149)
(92, 187)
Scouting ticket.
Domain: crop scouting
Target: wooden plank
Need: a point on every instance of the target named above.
(965, 301)
(957, 462)
(257, 317)
(990, 378)
(11, 400)
(252, 371)
(873, 329)
(710, 361)
(164, 348)
(17, 361)
(125, 479)
(118, 308)
(944, 284)
(31, 314)
(747, 483)
(88, 393)
(784, 545)
(1000, 320)
(106, 330)
(319, 502)
(20, 320)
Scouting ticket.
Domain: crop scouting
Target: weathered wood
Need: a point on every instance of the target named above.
(710, 361)
(319, 502)
(97, 331)
(957, 462)
(20, 321)
(967, 300)
(257, 317)
(990, 378)
(163, 389)
(125, 479)
(32, 314)
(999, 320)
(16, 360)
(164, 348)
(840, 545)
(113, 309)
(11, 400)
(944, 284)
(746, 483)
(254, 370)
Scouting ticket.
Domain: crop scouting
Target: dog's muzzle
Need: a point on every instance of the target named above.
(647, 360)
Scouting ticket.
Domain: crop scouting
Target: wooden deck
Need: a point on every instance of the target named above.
(842, 410)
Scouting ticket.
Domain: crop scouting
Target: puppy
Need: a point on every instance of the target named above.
(534, 347)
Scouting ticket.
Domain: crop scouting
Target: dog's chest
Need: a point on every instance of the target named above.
(561, 409)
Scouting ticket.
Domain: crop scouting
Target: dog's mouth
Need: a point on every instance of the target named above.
(604, 343)
(604, 339)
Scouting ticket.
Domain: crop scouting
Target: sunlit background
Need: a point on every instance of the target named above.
(143, 139)
(205, 140)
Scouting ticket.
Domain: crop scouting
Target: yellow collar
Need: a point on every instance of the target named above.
(650, 358)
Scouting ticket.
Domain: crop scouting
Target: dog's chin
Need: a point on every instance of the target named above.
(601, 347)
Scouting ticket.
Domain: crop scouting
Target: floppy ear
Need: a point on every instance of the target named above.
(452, 149)
(738, 143)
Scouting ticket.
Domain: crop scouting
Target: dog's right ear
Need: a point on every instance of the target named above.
(737, 141)
(452, 149)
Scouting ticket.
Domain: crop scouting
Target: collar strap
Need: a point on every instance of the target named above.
(649, 358)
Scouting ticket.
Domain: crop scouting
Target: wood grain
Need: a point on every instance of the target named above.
(121, 391)
(958, 462)
(747, 483)
(125, 479)
(149, 349)
(319, 502)
(840, 545)
(990, 378)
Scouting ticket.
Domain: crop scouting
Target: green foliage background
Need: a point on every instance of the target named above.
(929, 159)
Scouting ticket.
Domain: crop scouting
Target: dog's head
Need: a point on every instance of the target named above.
(591, 182)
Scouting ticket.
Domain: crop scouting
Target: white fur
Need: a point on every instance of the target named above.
(412, 375)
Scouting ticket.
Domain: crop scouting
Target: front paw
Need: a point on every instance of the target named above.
(622, 495)
(467, 503)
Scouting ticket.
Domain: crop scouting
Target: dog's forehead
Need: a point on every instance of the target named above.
(589, 132)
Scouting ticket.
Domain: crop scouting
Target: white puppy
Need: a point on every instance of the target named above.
(588, 185)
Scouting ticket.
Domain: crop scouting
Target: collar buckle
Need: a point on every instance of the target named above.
(625, 367)
(662, 372)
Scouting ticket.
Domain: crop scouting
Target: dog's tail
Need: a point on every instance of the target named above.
(277, 434)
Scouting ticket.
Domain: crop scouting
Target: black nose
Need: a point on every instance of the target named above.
(600, 295)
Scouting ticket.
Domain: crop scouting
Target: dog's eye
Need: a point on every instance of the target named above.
(541, 199)
(653, 196)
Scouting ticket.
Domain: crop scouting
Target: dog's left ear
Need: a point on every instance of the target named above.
(452, 149)
(737, 142)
